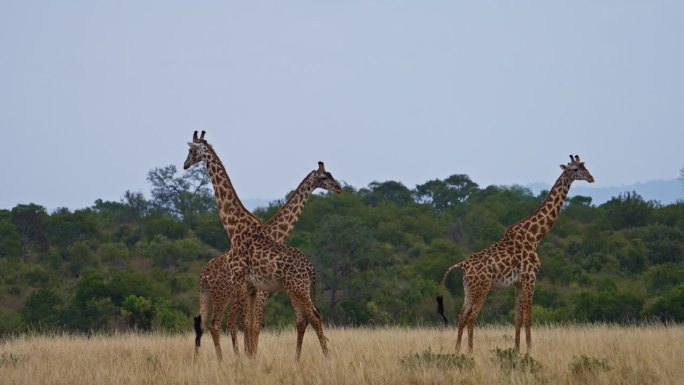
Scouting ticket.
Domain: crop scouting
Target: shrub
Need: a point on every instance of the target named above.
(585, 368)
(510, 360)
(428, 359)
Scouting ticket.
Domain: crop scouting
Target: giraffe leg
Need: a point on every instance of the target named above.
(528, 293)
(215, 326)
(232, 323)
(243, 300)
(260, 303)
(205, 306)
(301, 303)
(301, 329)
(314, 318)
(248, 321)
(478, 298)
(518, 320)
(463, 317)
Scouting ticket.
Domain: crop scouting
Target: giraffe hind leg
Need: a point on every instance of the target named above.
(477, 303)
(301, 329)
(232, 323)
(302, 304)
(463, 316)
(215, 326)
(205, 308)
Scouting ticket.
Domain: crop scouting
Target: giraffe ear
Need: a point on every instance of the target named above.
(563, 167)
(193, 146)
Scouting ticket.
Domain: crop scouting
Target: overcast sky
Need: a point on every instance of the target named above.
(94, 94)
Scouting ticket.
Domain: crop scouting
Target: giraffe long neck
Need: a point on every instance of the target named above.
(284, 220)
(234, 216)
(536, 225)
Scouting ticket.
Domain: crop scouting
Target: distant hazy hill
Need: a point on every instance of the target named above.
(663, 191)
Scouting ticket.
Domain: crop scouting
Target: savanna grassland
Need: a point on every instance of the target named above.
(598, 354)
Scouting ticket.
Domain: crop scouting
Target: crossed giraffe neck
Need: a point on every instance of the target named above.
(234, 216)
(270, 266)
(284, 220)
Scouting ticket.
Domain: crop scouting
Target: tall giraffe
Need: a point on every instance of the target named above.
(261, 263)
(216, 283)
(512, 261)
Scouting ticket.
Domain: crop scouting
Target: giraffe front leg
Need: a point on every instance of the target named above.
(528, 293)
(260, 303)
(232, 323)
(249, 325)
(518, 320)
(243, 300)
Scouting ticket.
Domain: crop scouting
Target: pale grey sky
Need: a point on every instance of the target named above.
(94, 94)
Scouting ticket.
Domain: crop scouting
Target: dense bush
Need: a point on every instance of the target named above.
(380, 253)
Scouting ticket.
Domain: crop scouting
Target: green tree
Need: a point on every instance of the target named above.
(389, 191)
(628, 210)
(445, 193)
(670, 306)
(342, 248)
(10, 242)
(139, 312)
(183, 196)
(28, 220)
(42, 309)
(64, 227)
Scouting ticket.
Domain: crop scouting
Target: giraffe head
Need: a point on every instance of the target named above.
(323, 179)
(199, 150)
(575, 170)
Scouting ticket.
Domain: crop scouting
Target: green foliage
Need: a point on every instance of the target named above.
(139, 312)
(443, 361)
(183, 196)
(446, 193)
(669, 307)
(166, 226)
(42, 309)
(608, 304)
(380, 253)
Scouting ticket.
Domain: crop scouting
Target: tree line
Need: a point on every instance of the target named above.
(380, 252)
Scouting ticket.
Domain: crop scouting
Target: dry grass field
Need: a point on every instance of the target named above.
(561, 355)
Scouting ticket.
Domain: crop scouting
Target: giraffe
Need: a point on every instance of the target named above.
(262, 263)
(215, 290)
(512, 261)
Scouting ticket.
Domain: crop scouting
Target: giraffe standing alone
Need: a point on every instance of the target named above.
(217, 285)
(266, 265)
(512, 261)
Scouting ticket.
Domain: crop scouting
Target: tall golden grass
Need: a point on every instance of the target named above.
(599, 354)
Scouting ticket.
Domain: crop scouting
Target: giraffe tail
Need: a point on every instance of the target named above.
(442, 290)
(198, 330)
